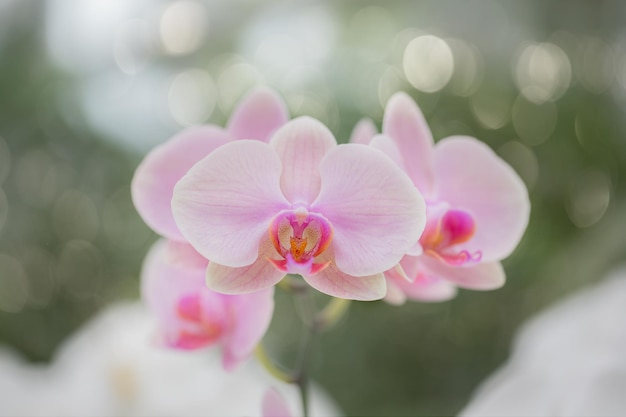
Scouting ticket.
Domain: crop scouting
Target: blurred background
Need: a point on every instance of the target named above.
(88, 87)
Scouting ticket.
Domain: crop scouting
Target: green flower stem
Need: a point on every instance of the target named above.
(268, 364)
(313, 322)
(307, 308)
(332, 313)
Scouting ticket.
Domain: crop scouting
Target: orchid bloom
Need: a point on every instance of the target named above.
(191, 316)
(258, 115)
(477, 206)
(337, 215)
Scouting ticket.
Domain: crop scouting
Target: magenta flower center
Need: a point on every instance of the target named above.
(198, 330)
(444, 231)
(300, 236)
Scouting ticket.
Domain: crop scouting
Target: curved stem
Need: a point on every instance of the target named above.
(332, 313)
(313, 322)
(268, 364)
(300, 374)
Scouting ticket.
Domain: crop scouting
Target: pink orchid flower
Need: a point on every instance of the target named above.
(274, 404)
(191, 316)
(477, 206)
(258, 115)
(337, 215)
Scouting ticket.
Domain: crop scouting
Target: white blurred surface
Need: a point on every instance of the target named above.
(568, 361)
(112, 368)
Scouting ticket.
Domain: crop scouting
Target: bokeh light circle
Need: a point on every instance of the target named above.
(428, 63)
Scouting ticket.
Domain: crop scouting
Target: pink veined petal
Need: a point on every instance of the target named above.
(470, 176)
(416, 250)
(335, 283)
(376, 212)
(184, 255)
(163, 284)
(259, 275)
(301, 145)
(332, 281)
(411, 266)
(154, 180)
(250, 317)
(405, 124)
(274, 405)
(399, 272)
(363, 132)
(435, 290)
(482, 276)
(224, 204)
(387, 146)
(163, 281)
(423, 285)
(395, 296)
(258, 115)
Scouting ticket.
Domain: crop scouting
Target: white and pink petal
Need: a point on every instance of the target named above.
(481, 276)
(163, 285)
(376, 212)
(332, 281)
(424, 290)
(250, 316)
(154, 180)
(259, 114)
(224, 204)
(260, 275)
(422, 285)
(363, 132)
(185, 256)
(471, 177)
(395, 296)
(387, 146)
(301, 144)
(405, 124)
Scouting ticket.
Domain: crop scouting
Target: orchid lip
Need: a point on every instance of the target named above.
(198, 330)
(299, 236)
(448, 229)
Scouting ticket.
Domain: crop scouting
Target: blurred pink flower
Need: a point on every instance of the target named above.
(190, 315)
(337, 215)
(477, 206)
(274, 405)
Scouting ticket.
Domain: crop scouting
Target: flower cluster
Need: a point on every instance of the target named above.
(477, 207)
(386, 216)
